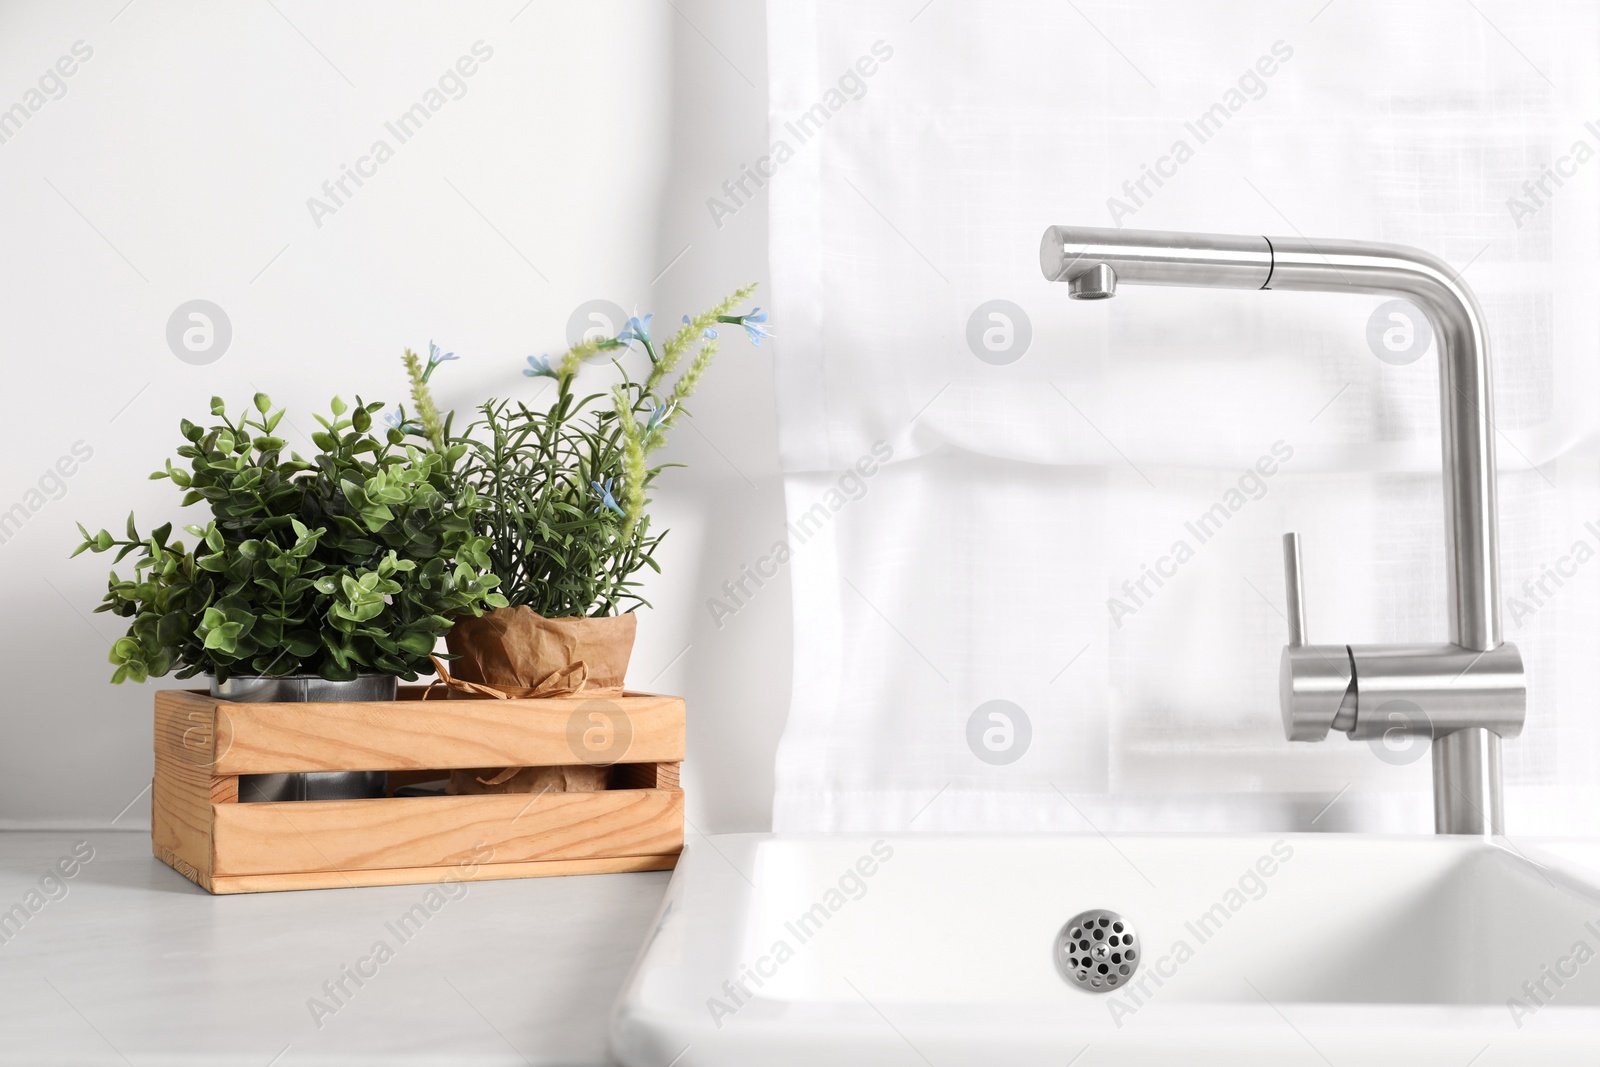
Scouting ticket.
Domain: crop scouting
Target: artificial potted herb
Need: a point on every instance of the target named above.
(321, 579)
(563, 490)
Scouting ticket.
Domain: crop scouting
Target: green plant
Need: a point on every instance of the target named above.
(565, 487)
(428, 422)
(561, 551)
(351, 562)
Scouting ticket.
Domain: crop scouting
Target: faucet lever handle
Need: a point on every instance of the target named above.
(1294, 590)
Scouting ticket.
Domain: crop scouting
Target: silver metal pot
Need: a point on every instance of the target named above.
(298, 689)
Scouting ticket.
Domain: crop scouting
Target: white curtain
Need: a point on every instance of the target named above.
(967, 530)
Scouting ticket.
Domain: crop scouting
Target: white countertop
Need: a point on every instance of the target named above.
(133, 964)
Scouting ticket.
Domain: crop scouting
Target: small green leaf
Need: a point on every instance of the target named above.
(301, 643)
(416, 643)
(366, 611)
(224, 637)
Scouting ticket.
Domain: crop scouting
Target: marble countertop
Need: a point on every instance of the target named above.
(125, 962)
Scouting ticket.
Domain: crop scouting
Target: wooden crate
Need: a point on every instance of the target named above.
(202, 745)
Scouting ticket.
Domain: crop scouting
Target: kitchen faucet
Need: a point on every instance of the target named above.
(1467, 694)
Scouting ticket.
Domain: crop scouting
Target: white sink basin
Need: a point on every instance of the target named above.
(853, 950)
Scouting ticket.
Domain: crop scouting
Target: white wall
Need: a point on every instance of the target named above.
(177, 165)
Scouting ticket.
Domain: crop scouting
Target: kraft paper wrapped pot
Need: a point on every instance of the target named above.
(519, 653)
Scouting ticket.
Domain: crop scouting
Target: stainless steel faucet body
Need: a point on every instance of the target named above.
(1466, 695)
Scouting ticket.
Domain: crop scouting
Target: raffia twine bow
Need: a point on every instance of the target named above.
(571, 680)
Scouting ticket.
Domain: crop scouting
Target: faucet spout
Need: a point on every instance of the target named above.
(1093, 261)
(1154, 257)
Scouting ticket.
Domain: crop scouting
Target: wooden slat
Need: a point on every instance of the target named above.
(185, 788)
(435, 735)
(437, 692)
(358, 835)
(268, 883)
(185, 727)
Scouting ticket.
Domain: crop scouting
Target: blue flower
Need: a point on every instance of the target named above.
(708, 333)
(636, 330)
(657, 414)
(397, 419)
(539, 367)
(436, 357)
(752, 324)
(606, 499)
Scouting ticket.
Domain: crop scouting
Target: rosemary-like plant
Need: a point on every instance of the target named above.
(563, 489)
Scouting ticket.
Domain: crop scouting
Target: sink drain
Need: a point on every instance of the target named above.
(1096, 951)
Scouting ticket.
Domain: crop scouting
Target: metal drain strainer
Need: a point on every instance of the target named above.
(1096, 951)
